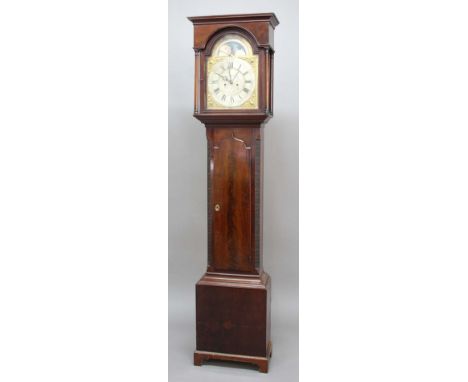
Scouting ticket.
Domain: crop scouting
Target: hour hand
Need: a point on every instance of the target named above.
(223, 77)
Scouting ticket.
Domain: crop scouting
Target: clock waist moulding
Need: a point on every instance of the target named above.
(234, 99)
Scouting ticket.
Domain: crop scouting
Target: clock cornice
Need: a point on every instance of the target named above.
(235, 18)
(258, 25)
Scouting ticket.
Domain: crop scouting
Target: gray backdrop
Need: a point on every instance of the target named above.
(187, 195)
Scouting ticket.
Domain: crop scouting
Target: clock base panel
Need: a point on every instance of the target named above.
(199, 357)
(233, 319)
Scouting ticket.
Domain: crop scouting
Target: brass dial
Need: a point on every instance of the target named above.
(232, 75)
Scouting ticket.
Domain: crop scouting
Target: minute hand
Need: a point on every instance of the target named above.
(238, 71)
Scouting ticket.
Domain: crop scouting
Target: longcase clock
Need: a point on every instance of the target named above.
(234, 100)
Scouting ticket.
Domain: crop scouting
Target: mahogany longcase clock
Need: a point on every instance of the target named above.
(234, 100)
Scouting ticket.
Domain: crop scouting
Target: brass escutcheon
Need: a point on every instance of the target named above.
(217, 207)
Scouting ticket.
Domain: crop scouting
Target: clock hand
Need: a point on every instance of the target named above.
(223, 77)
(238, 71)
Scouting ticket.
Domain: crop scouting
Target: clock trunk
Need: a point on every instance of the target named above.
(234, 195)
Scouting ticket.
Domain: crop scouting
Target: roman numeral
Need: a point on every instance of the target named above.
(245, 90)
(232, 99)
(248, 81)
(223, 98)
(216, 91)
(230, 65)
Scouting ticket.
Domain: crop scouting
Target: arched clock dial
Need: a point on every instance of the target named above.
(232, 74)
